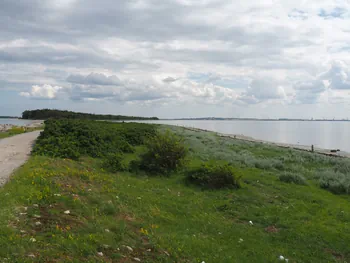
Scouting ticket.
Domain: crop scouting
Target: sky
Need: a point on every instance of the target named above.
(177, 58)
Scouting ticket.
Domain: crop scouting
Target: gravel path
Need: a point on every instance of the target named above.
(14, 151)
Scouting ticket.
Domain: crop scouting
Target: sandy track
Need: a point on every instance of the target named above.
(14, 152)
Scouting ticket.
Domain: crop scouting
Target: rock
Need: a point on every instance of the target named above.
(129, 248)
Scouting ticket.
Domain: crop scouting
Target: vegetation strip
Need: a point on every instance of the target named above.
(142, 193)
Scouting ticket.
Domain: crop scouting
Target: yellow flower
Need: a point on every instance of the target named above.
(144, 231)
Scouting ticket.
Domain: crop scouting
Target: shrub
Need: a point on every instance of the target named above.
(335, 182)
(214, 175)
(166, 152)
(58, 147)
(114, 162)
(90, 138)
(292, 178)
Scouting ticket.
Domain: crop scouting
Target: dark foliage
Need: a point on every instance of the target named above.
(114, 162)
(166, 153)
(214, 175)
(59, 114)
(72, 138)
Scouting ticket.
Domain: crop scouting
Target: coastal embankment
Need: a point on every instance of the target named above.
(308, 148)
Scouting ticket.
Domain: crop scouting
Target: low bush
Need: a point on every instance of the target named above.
(292, 178)
(214, 175)
(70, 138)
(335, 182)
(166, 152)
(114, 163)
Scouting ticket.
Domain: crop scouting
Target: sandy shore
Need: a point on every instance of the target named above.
(282, 145)
(33, 124)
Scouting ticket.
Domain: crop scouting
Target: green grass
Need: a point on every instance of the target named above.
(17, 130)
(164, 219)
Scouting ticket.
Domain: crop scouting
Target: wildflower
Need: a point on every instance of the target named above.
(36, 205)
(36, 216)
(37, 223)
(107, 230)
(251, 223)
(240, 240)
(281, 258)
(32, 239)
(57, 194)
(137, 259)
(31, 255)
(67, 212)
(100, 254)
(144, 231)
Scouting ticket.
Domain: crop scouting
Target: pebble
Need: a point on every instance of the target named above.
(129, 248)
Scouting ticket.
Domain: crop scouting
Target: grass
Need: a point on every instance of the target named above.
(163, 219)
(17, 130)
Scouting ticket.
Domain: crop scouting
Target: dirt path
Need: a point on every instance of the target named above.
(14, 151)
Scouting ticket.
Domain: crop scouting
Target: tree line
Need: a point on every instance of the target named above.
(45, 114)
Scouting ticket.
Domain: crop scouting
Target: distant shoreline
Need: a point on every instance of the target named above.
(252, 119)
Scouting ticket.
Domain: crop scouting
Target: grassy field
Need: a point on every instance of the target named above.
(60, 210)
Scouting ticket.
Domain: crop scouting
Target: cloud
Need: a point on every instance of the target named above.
(43, 92)
(262, 90)
(169, 79)
(171, 51)
(94, 79)
(338, 76)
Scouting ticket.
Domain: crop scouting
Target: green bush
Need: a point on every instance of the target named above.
(214, 175)
(335, 182)
(70, 138)
(114, 163)
(166, 152)
(292, 178)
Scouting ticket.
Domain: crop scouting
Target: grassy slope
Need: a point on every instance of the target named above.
(177, 222)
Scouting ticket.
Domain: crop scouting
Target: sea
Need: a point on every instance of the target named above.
(321, 134)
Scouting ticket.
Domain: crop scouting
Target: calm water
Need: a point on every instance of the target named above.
(14, 121)
(327, 135)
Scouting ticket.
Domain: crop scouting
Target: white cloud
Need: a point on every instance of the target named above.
(43, 92)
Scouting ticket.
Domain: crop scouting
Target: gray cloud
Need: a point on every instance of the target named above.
(94, 79)
(142, 45)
